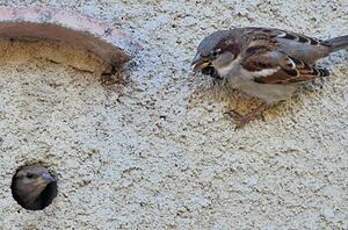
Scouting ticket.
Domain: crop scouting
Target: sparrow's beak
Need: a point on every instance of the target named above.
(199, 62)
(47, 177)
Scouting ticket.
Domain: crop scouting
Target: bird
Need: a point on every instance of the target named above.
(33, 187)
(266, 63)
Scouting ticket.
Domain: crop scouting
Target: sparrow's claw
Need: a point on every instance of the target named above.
(234, 114)
(242, 120)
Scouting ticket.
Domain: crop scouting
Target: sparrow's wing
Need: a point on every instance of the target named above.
(295, 45)
(275, 67)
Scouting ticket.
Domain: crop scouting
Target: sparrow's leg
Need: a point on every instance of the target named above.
(242, 120)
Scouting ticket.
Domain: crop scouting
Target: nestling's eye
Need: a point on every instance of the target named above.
(215, 53)
(30, 175)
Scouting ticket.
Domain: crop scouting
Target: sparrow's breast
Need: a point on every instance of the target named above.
(270, 93)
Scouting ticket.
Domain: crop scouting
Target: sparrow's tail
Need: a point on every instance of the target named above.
(338, 43)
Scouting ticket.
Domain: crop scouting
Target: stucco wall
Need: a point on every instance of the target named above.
(156, 150)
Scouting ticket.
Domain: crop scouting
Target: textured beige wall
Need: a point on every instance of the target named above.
(157, 151)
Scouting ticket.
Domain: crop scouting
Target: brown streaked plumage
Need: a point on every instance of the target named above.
(266, 63)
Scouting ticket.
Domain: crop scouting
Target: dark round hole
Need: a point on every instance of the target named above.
(34, 187)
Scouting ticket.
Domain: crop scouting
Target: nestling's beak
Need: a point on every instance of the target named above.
(199, 62)
(47, 178)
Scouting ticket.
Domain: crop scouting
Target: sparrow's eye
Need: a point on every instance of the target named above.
(30, 175)
(215, 53)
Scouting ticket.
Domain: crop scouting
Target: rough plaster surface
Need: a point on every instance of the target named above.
(156, 151)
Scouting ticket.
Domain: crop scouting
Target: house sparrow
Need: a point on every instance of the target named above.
(33, 187)
(269, 64)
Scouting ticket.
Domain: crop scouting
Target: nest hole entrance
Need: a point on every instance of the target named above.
(34, 187)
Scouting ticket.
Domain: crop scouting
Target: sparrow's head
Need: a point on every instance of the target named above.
(31, 184)
(216, 51)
